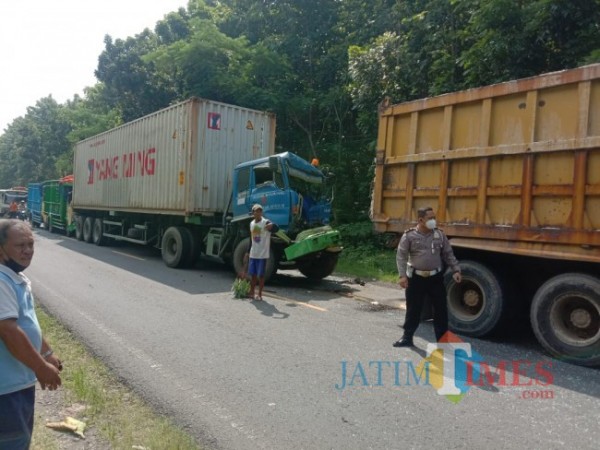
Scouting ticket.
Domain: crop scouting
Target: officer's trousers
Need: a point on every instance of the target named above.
(419, 288)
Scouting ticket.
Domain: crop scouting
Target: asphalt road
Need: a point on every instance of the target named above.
(270, 375)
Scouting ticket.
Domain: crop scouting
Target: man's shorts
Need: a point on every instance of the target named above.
(16, 419)
(257, 267)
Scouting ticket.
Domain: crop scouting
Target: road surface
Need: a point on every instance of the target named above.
(308, 368)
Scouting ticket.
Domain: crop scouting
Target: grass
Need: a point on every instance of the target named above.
(369, 262)
(118, 415)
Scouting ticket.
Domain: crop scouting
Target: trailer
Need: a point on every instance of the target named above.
(183, 180)
(56, 204)
(34, 203)
(513, 173)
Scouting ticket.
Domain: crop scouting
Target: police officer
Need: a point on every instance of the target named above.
(422, 254)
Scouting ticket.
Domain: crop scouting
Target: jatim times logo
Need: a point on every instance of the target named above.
(452, 368)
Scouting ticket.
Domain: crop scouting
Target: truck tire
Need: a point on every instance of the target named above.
(175, 247)
(88, 229)
(79, 228)
(475, 306)
(565, 317)
(320, 267)
(241, 249)
(98, 232)
(194, 247)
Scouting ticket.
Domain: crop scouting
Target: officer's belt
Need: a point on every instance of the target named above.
(427, 273)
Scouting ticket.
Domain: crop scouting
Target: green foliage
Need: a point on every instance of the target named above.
(370, 262)
(322, 66)
(240, 288)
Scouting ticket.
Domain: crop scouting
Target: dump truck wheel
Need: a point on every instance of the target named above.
(98, 233)
(240, 251)
(476, 305)
(565, 317)
(321, 267)
(79, 228)
(88, 229)
(175, 246)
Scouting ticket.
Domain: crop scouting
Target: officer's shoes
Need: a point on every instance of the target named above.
(404, 342)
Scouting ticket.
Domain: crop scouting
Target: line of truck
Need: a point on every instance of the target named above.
(512, 170)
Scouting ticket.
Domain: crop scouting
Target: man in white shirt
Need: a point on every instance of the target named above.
(260, 243)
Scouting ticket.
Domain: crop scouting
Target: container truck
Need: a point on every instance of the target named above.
(513, 173)
(184, 180)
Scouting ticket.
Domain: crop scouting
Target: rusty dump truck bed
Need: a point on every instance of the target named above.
(513, 167)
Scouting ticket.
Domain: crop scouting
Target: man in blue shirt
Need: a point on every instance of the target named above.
(24, 354)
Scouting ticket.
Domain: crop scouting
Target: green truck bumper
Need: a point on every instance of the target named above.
(311, 241)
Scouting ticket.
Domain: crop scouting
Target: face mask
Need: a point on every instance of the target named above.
(430, 224)
(14, 266)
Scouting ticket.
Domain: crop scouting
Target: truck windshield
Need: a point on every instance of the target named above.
(309, 185)
(17, 197)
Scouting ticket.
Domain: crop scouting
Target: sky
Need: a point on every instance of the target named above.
(52, 47)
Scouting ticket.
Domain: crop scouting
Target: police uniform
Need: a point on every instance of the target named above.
(422, 257)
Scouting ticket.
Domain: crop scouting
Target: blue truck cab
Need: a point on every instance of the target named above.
(295, 195)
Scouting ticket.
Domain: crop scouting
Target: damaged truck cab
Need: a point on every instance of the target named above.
(297, 197)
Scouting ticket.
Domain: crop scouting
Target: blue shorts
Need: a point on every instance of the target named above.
(257, 267)
(16, 419)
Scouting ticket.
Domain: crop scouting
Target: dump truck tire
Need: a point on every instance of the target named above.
(565, 317)
(477, 305)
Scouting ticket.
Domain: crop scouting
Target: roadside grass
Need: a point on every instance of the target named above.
(369, 262)
(119, 415)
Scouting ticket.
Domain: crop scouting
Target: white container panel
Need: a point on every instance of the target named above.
(231, 135)
(178, 160)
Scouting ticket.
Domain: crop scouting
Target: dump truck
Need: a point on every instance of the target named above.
(512, 171)
(35, 192)
(56, 201)
(184, 180)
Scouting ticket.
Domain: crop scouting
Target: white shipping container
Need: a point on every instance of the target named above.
(178, 160)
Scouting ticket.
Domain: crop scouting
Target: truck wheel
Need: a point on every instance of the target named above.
(476, 305)
(321, 267)
(241, 249)
(565, 317)
(98, 232)
(194, 247)
(88, 229)
(176, 246)
(79, 228)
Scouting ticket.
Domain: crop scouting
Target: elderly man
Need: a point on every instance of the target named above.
(24, 354)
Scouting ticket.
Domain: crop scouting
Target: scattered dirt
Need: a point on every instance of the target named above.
(374, 307)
